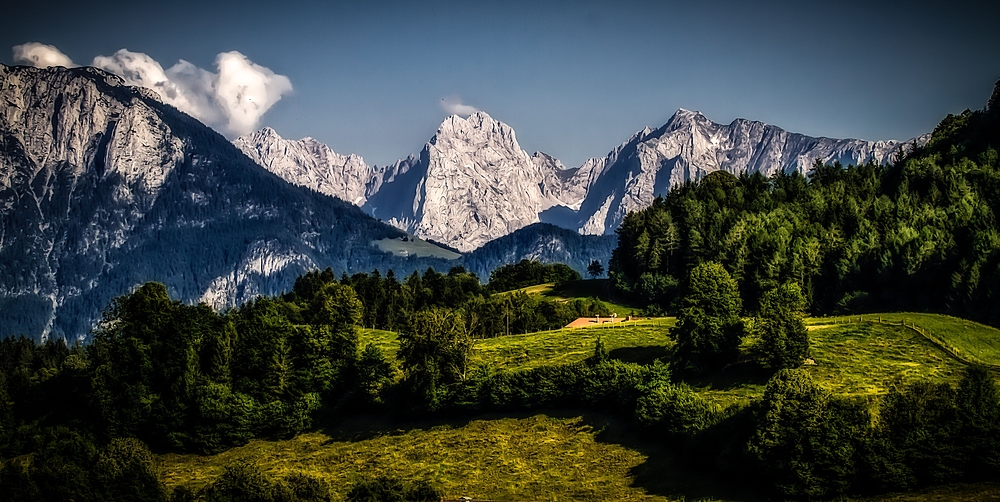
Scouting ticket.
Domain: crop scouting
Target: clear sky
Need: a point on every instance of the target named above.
(574, 79)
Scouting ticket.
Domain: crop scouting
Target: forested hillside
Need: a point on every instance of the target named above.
(921, 234)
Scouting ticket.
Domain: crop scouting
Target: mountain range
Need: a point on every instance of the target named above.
(473, 183)
(103, 187)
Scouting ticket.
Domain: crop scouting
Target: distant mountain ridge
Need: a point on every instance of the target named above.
(472, 183)
(103, 187)
(689, 146)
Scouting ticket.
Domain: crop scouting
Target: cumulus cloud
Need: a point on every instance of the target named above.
(247, 90)
(40, 55)
(454, 106)
(232, 99)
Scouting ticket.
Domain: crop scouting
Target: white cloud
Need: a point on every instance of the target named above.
(40, 55)
(454, 106)
(247, 90)
(233, 100)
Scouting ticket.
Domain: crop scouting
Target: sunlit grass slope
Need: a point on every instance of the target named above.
(865, 358)
(853, 356)
(388, 341)
(535, 458)
(856, 357)
(639, 341)
(975, 342)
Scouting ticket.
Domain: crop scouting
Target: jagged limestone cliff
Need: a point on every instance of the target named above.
(103, 187)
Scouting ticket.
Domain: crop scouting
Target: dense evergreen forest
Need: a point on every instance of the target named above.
(921, 234)
(738, 260)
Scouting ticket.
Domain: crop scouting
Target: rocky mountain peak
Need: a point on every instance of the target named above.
(689, 146)
(310, 163)
(479, 184)
(683, 114)
(478, 130)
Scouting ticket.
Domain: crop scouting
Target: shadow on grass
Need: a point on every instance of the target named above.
(732, 377)
(666, 471)
(640, 355)
(590, 288)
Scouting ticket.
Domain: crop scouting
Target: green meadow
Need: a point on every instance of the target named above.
(562, 455)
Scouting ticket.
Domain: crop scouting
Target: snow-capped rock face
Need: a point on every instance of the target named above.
(689, 146)
(309, 163)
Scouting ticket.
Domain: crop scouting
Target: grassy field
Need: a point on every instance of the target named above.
(866, 359)
(859, 358)
(388, 341)
(641, 341)
(532, 458)
(852, 358)
(566, 456)
(970, 340)
(414, 247)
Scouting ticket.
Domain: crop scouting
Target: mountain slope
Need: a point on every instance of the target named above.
(479, 185)
(103, 187)
(471, 183)
(309, 163)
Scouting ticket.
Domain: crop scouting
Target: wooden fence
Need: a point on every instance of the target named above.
(943, 344)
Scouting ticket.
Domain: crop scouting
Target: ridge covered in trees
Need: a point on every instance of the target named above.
(921, 234)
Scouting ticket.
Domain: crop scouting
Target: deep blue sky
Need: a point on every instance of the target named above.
(573, 79)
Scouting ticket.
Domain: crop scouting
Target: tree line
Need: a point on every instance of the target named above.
(487, 311)
(177, 377)
(76, 421)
